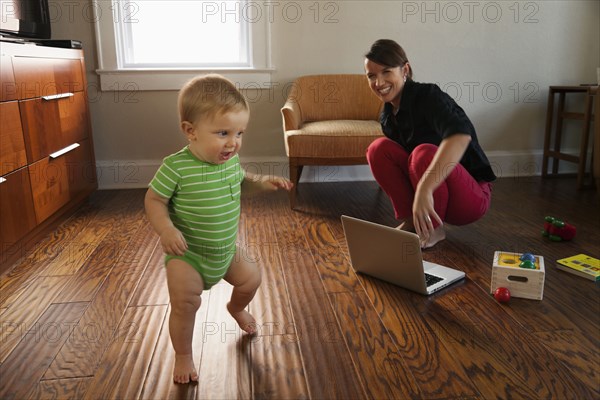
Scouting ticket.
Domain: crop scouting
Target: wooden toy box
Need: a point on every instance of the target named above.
(522, 282)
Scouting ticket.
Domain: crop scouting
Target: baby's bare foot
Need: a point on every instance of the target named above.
(184, 370)
(244, 319)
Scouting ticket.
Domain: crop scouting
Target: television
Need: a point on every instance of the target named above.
(25, 19)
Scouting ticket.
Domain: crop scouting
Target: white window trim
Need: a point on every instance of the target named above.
(114, 78)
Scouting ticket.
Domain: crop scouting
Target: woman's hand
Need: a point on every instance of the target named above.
(173, 242)
(424, 213)
(445, 160)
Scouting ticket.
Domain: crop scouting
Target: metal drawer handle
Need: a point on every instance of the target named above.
(64, 151)
(2, 180)
(57, 96)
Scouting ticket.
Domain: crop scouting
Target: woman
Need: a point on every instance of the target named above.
(430, 163)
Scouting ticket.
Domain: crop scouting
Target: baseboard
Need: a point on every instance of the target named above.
(125, 174)
(132, 174)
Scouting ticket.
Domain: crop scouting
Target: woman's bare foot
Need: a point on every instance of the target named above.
(184, 370)
(244, 319)
(407, 226)
(436, 236)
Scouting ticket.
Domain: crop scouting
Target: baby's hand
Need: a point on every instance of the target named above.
(173, 242)
(278, 182)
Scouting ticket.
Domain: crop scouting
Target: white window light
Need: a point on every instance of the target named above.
(160, 44)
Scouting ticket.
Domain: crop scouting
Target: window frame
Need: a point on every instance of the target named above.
(115, 77)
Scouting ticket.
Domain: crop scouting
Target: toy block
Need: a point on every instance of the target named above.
(522, 273)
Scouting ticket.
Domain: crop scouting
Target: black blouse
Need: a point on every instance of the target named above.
(428, 115)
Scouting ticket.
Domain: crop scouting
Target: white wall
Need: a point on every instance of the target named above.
(496, 58)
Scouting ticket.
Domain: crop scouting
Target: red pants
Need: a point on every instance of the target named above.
(459, 200)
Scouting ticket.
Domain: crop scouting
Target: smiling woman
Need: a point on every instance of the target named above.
(430, 163)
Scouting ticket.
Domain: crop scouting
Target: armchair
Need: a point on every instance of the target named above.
(329, 120)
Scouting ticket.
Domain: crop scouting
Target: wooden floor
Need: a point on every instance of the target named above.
(84, 315)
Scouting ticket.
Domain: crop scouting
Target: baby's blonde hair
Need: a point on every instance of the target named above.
(207, 96)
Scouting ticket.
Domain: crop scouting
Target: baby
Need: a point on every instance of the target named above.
(193, 203)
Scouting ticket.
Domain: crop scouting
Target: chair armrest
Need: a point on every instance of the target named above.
(292, 116)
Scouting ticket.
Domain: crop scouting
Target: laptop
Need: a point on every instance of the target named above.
(394, 256)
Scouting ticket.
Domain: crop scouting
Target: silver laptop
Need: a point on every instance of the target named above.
(394, 256)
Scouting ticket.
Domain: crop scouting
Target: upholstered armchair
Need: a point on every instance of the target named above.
(329, 120)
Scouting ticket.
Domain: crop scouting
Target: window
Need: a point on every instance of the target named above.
(159, 45)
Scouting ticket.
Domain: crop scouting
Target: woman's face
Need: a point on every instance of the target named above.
(386, 82)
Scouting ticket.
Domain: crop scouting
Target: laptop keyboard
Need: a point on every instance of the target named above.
(432, 279)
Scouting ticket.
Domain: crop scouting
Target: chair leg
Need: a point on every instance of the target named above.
(587, 119)
(548, 133)
(295, 172)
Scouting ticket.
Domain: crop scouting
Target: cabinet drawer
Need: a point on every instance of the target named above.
(53, 123)
(17, 216)
(12, 145)
(56, 181)
(81, 170)
(36, 77)
(8, 90)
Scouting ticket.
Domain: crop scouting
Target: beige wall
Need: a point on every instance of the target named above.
(496, 58)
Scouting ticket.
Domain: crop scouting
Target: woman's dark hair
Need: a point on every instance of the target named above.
(389, 53)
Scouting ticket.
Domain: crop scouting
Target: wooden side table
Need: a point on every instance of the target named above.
(596, 153)
(586, 116)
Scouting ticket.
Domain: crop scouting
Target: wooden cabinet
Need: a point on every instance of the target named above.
(17, 214)
(52, 123)
(47, 162)
(12, 144)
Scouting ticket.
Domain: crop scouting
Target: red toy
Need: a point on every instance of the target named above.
(502, 295)
(557, 230)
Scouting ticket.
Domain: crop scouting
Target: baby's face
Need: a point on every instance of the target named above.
(218, 139)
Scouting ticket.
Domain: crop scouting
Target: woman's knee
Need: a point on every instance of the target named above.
(420, 159)
(425, 150)
(379, 149)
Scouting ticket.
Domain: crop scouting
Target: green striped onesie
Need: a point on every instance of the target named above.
(205, 206)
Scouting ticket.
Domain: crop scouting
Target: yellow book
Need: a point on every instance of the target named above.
(581, 265)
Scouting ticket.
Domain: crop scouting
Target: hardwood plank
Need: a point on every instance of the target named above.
(328, 367)
(24, 367)
(458, 343)
(223, 340)
(335, 270)
(380, 365)
(64, 389)
(152, 289)
(98, 326)
(556, 312)
(126, 361)
(73, 255)
(271, 305)
(113, 233)
(18, 320)
(361, 204)
(50, 253)
(579, 356)
(435, 368)
(277, 371)
(39, 257)
(119, 219)
(159, 380)
(110, 255)
(528, 357)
